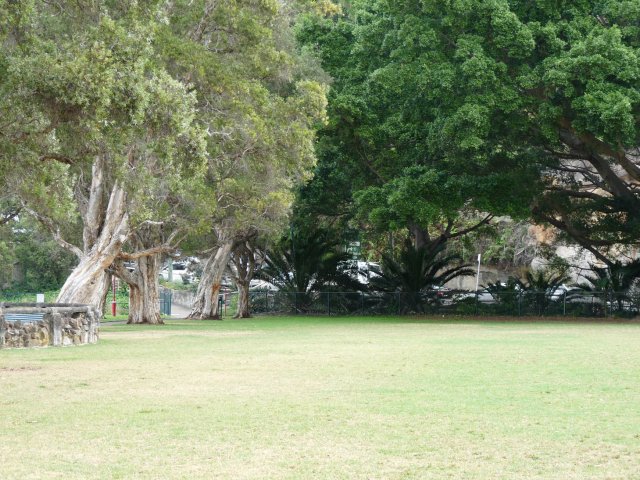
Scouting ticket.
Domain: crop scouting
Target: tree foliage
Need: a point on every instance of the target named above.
(168, 114)
(509, 107)
(382, 146)
(307, 262)
(617, 279)
(417, 270)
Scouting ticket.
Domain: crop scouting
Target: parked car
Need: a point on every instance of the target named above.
(483, 296)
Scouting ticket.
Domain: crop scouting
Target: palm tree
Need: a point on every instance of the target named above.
(506, 294)
(543, 285)
(306, 263)
(615, 279)
(416, 271)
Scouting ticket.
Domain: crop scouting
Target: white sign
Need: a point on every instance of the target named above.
(39, 297)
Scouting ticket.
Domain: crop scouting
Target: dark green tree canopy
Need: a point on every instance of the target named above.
(509, 107)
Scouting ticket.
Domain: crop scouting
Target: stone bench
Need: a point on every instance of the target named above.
(41, 324)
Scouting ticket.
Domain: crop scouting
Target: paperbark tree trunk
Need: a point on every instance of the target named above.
(205, 305)
(144, 297)
(144, 289)
(244, 265)
(243, 309)
(143, 278)
(104, 232)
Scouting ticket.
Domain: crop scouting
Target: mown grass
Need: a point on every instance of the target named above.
(327, 398)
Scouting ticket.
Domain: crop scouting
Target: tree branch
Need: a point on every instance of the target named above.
(465, 231)
(122, 272)
(6, 217)
(55, 232)
(147, 252)
(579, 194)
(56, 157)
(94, 207)
(594, 149)
(631, 168)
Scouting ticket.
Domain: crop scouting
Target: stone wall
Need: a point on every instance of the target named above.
(183, 298)
(42, 325)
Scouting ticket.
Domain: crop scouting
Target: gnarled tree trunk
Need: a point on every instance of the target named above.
(244, 265)
(104, 232)
(205, 305)
(144, 289)
(89, 282)
(243, 309)
(143, 278)
(144, 295)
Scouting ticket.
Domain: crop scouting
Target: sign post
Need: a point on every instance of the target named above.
(478, 275)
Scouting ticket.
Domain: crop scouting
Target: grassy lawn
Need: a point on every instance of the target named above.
(327, 398)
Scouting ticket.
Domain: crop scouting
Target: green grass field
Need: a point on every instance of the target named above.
(327, 398)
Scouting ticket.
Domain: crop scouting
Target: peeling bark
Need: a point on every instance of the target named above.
(244, 265)
(89, 282)
(143, 280)
(243, 309)
(144, 297)
(206, 303)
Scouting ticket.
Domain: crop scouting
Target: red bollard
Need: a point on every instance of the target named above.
(113, 289)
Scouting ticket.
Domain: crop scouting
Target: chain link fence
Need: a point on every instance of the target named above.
(438, 302)
(597, 304)
(120, 306)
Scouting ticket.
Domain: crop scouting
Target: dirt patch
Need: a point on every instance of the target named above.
(138, 335)
(20, 369)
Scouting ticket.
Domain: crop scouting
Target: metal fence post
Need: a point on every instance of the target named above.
(564, 304)
(329, 302)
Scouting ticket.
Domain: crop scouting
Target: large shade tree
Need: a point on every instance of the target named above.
(259, 111)
(98, 118)
(498, 89)
(379, 145)
(506, 107)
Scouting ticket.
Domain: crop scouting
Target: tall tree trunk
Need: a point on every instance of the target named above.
(205, 305)
(104, 234)
(243, 310)
(420, 236)
(244, 264)
(143, 281)
(144, 292)
(89, 282)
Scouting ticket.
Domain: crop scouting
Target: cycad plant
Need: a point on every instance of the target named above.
(306, 263)
(416, 271)
(506, 294)
(542, 285)
(615, 279)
